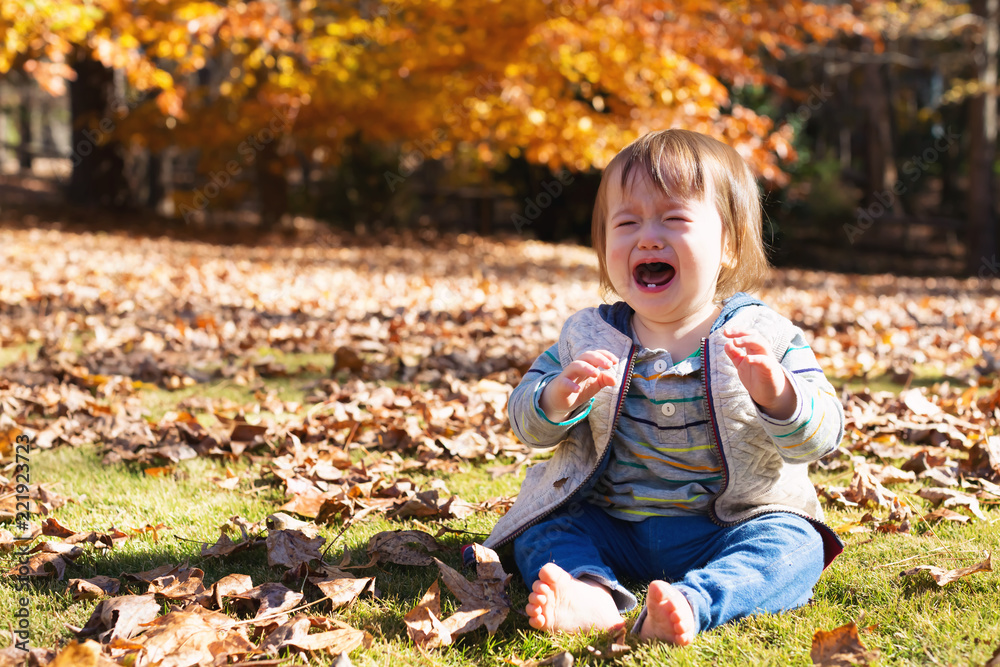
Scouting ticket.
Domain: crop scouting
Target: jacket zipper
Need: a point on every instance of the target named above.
(614, 423)
(714, 437)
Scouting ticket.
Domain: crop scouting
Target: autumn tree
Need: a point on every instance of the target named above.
(562, 83)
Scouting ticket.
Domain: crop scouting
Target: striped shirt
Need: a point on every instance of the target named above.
(662, 460)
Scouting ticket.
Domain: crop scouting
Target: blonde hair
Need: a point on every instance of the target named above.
(687, 164)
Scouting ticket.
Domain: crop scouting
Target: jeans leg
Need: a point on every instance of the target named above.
(584, 541)
(767, 564)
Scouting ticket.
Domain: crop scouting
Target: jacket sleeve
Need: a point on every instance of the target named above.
(816, 426)
(527, 419)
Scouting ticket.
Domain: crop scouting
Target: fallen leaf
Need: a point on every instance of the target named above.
(292, 547)
(403, 547)
(186, 585)
(184, 638)
(342, 591)
(951, 498)
(484, 602)
(120, 617)
(840, 647)
(613, 648)
(269, 598)
(281, 521)
(423, 622)
(87, 654)
(41, 565)
(561, 659)
(281, 637)
(93, 588)
(943, 577)
(865, 490)
(944, 514)
(229, 585)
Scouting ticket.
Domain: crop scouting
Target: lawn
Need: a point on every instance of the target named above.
(132, 364)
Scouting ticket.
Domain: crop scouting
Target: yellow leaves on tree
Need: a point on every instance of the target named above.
(566, 83)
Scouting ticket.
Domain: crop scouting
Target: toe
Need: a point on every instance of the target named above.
(657, 592)
(537, 599)
(552, 574)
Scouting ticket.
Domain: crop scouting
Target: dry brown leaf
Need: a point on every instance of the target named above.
(484, 602)
(945, 514)
(44, 564)
(613, 647)
(951, 498)
(184, 638)
(120, 617)
(341, 640)
(184, 585)
(87, 654)
(887, 474)
(268, 598)
(423, 622)
(93, 588)
(341, 590)
(52, 528)
(403, 547)
(984, 459)
(292, 548)
(840, 647)
(149, 575)
(561, 659)
(865, 490)
(943, 577)
(294, 628)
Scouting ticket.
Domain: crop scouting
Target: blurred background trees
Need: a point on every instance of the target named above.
(872, 125)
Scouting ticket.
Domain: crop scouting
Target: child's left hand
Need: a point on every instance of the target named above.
(760, 372)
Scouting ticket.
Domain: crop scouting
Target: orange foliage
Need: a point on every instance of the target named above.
(566, 83)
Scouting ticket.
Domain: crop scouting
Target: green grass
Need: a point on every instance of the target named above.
(914, 621)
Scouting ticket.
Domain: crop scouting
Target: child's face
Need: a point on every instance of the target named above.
(663, 253)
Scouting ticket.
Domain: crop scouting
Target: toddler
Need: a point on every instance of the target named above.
(683, 417)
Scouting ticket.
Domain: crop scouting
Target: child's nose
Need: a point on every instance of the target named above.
(649, 238)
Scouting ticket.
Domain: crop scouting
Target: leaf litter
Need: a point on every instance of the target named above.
(424, 344)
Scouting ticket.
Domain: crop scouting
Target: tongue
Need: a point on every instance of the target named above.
(656, 273)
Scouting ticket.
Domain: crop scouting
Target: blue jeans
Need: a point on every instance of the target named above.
(766, 564)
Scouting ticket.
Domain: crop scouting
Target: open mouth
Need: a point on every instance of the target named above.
(653, 274)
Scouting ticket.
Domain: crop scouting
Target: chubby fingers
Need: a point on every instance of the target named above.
(746, 343)
(590, 368)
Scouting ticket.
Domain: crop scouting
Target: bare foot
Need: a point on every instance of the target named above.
(560, 603)
(669, 616)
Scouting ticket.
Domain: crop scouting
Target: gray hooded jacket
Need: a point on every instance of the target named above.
(756, 479)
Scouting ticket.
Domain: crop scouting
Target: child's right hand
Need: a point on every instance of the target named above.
(577, 384)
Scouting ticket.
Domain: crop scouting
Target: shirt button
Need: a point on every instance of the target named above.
(667, 409)
(660, 366)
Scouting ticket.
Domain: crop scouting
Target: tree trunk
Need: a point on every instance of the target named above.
(880, 166)
(98, 176)
(24, 124)
(981, 237)
(272, 185)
